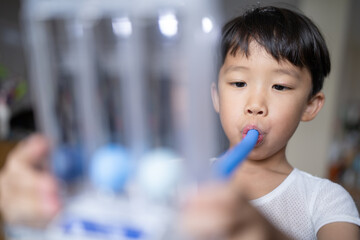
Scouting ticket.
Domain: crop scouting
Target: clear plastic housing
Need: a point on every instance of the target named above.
(122, 89)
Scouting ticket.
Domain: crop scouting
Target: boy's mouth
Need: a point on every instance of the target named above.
(248, 128)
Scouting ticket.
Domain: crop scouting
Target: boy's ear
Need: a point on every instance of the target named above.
(215, 97)
(313, 106)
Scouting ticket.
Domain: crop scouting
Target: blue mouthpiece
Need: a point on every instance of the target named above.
(235, 156)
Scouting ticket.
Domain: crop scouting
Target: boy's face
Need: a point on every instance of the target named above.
(259, 92)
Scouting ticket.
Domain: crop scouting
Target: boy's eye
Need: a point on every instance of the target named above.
(280, 87)
(239, 84)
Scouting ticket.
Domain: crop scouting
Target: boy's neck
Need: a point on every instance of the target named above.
(256, 178)
(276, 163)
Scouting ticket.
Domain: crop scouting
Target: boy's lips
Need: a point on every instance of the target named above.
(248, 128)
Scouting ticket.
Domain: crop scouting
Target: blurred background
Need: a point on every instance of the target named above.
(328, 147)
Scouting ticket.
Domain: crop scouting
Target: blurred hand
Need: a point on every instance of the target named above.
(28, 191)
(221, 212)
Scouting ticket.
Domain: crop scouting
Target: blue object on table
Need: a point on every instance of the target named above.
(232, 158)
(67, 162)
(110, 167)
(102, 230)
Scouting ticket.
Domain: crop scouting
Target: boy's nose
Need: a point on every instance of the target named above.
(256, 109)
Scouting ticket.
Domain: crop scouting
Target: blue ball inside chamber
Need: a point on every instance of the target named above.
(110, 168)
(67, 162)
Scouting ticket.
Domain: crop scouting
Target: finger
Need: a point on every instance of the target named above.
(204, 223)
(210, 213)
(27, 192)
(209, 194)
(33, 202)
(31, 152)
(45, 202)
(49, 194)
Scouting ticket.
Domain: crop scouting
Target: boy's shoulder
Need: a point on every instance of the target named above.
(300, 187)
(315, 183)
(303, 203)
(324, 194)
(308, 177)
(328, 201)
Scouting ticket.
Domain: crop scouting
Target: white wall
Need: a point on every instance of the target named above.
(308, 150)
(233, 8)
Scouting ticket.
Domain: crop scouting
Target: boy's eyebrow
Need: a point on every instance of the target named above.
(235, 68)
(286, 71)
(289, 72)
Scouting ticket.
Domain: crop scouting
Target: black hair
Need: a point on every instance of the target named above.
(285, 34)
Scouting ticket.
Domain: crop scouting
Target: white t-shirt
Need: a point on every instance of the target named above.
(303, 203)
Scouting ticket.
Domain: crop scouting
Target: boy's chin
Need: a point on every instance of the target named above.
(263, 154)
(254, 156)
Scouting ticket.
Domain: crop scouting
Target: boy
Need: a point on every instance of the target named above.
(273, 65)
(274, 62)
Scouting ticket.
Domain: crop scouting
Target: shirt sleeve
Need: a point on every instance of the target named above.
(333, 204)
